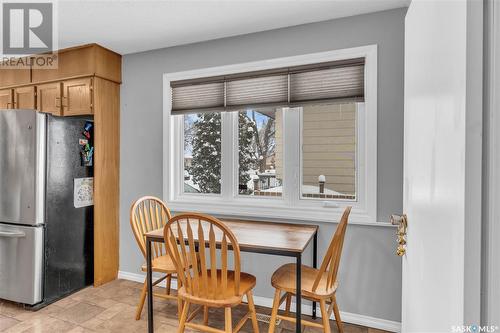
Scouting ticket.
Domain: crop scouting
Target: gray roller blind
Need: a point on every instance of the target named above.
(257, 90)
(330, 83)
(198, 96)
(291, 86)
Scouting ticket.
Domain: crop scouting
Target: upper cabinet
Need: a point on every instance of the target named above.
(66, 90)
(80, 61)
(49, 98)
(6, 99)
(15, 74)
(77, 97)
(25, 97)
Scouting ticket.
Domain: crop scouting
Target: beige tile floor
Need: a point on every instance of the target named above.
(111, 308)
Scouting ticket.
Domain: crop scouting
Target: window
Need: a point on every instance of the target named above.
(296, 141)
(258, 153)
(202, 153)
(328, 163)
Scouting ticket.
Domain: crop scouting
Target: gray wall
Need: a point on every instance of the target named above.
(370, 273)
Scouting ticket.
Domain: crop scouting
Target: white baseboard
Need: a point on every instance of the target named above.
(352, 318)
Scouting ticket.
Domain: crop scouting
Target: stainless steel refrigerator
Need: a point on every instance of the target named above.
(46, 244)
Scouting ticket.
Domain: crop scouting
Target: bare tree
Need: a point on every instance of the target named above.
(264, 141)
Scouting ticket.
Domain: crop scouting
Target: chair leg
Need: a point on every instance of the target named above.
(169, 283)
(179, 306)
(288, 303)
(144, 292)
(229, 320)
(324, 316)
(337, 314)
(253, 314)
(205, 315)
(274, 313)
(182, 320)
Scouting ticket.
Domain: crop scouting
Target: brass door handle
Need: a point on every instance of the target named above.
(402, 222)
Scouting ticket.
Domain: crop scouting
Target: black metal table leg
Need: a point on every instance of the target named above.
(315, 265)
(298, 296)
(150, 286)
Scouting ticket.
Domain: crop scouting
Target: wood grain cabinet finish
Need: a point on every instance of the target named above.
(6, 99)
(12, 75)
(25, 98)
(77, 97)
(85, 60)
(49, 98)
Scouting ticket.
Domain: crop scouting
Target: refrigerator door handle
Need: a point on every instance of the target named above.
(6, 234)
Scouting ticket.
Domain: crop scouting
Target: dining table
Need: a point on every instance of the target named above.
(271, 238)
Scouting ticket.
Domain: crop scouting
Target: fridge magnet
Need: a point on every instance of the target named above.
(83, 192)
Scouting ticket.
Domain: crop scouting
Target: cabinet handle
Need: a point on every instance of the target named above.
(65, 101)
(8, 105)
(58, 102)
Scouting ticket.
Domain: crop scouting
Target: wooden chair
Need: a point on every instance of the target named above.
(147, 214)
(319, 285)
(203, 283)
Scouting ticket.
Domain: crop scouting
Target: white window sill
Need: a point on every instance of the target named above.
(274, 213)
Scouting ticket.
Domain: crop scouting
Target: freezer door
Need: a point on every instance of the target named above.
(21, 263)
(22, 166)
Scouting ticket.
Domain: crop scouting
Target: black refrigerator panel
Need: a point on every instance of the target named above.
(69, 230)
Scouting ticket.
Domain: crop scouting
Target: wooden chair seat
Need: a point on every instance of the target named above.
(163, 264)
(226, 297)
(284, 279)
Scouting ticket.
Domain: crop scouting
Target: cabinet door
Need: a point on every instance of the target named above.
(49, 98)
(24, 98)
(6, 99)
(77, 97)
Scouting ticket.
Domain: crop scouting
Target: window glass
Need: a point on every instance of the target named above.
(260, 152)
(202, 153)
(329, 151)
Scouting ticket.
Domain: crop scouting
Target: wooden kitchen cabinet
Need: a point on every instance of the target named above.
(13, 75)
(77, 97)
(49, 98)
(25, 98)
(79, 61)
(6, 99)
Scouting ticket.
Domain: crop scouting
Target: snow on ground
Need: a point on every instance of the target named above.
(191, 183)
(306, 189)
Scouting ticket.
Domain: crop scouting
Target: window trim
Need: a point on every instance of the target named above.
(364, 211)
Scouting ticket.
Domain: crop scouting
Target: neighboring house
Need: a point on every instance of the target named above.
(329, 146)
(187, 161)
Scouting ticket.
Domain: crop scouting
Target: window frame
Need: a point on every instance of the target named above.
(290, 206)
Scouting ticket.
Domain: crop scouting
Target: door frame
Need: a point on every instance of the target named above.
(491, 182)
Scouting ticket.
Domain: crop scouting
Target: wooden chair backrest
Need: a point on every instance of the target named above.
(331, 261)
(189, 235)
(147, 214)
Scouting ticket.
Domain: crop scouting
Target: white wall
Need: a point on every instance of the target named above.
(370, 273)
